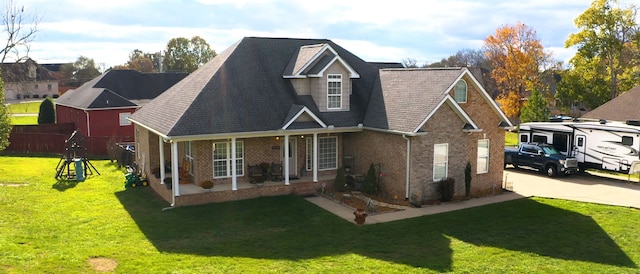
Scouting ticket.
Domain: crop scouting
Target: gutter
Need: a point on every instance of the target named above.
(408, 165)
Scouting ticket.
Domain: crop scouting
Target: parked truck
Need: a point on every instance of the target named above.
(543, 157)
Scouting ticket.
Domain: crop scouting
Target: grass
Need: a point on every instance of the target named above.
(59, 226)
(25, 108)
(510, 138)
(24, 120)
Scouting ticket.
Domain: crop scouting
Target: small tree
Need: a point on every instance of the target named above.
(47, 113)
(5, 120)
(370, 181)
(467, 179)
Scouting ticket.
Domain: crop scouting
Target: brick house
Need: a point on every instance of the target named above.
(313, 107)
(28, 79)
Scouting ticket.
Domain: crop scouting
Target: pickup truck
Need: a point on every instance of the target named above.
(543, 157)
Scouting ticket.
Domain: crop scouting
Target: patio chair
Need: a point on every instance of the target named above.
(276, 172)
(255, 173)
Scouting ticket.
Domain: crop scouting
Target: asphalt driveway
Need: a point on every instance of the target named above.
(586, 187)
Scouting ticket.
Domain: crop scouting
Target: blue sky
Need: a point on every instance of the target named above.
(389, 31)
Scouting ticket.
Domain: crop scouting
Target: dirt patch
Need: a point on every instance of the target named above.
(102, 264)
(14, 184)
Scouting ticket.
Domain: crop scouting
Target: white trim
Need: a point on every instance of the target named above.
(175, 176)
(446, 168)
(228, 159)
(234, 164)
(352, 72)
(488, 156)
(286, 159)
(336, 150)
(456, 108)
(466, 91)
(339, 95)
(307, 111)
(315, 157)
(163, 174)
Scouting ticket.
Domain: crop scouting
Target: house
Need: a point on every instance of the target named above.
(58, 71)
(313, 107)
(28, 79)
(101, 106)
(613, 110)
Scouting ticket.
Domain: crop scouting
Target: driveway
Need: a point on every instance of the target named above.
(587, 187)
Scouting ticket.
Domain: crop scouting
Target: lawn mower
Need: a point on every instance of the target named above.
(135, 177)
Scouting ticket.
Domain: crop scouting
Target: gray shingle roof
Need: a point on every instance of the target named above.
(622, 108)
(405, 97)
(119, 88)
(243, 90)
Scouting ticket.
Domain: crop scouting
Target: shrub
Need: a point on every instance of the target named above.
(47, 114)
(370, 181)
(467, 179)
(446, 187)
(339, 184)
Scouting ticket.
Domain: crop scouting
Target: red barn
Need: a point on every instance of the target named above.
(101, 106)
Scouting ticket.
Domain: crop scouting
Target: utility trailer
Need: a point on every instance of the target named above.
(603, 145)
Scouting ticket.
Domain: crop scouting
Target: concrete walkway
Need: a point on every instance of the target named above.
(523, 183)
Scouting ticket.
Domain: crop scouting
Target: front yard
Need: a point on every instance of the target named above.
(66, 227)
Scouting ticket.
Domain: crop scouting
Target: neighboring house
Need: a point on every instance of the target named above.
(27, 80)
(313, 107)
(58, 72)
(101, 106)
(622, 108)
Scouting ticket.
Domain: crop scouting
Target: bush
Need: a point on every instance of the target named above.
(467, 179)
(47, 114)
(339, 184)
(446, 186)
(371, 181)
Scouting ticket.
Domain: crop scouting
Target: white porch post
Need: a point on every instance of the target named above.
(286, 159)
(315, 157)
(175, 177)
(234, 176)
(161, 149)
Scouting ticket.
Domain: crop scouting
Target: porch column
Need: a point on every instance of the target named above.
(234, 176)
(315, 157)
(162, 167)
(175, 176)
(286, 159)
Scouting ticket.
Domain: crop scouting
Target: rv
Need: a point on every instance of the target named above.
(604, 145)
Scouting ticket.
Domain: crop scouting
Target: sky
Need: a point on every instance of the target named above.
(376, 31)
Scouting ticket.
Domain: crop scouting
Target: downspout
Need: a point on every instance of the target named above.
(88, 128)
(408, 165)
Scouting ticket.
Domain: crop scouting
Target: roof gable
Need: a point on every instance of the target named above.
(470, 124)
(301, 114)
(313, 60)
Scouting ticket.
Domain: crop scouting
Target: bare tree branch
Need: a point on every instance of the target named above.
(19, 29)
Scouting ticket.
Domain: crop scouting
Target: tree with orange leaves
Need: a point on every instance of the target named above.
(517, 58)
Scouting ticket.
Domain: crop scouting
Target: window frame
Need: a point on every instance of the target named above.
(457, 91)
(188, 154)
(309, 153)
(334, 92)
(227, 159)
(123, 119)
(481, 156)
(322, 153)
(436, 162)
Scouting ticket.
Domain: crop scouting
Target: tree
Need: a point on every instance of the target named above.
(47, 114)
(535, 109)
(84, 69)
(139, 61)
(5, 120)
(517, 57)
(410, 63)
(607, 42)
(20, 29)
(187, 55)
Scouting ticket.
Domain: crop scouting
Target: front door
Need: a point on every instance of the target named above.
(579, 148)
(293, 160)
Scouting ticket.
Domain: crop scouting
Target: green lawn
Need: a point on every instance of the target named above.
(511, 138)
(24, 120)
(58, 227)
(22, 108)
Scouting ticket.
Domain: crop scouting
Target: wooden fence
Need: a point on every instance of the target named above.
(50, 139)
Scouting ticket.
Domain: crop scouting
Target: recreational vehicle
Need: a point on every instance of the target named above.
(604, 145)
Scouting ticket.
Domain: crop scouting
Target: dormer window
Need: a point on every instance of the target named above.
(460, 90)
(334, 91)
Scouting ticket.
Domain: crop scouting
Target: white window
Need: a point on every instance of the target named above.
(440, 161)
(460, 90)
(188, 148)
(334, 91)
(123, 118)
(483, 156)
(222, 159)
(327, 153)
(309, 154)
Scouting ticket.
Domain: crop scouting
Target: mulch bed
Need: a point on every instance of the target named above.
(355, 202)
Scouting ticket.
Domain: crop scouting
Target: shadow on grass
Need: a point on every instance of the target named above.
(63, 185)
(290, 228)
